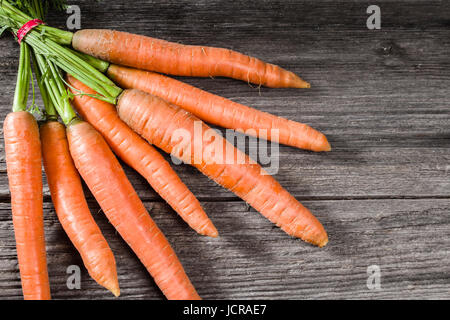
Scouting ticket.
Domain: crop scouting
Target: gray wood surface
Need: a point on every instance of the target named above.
(383, 193)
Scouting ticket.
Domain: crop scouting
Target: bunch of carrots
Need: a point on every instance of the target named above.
(104, 96)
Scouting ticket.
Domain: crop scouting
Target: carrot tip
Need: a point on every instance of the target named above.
(323, 243)
(322, 144)
(214, 235)
(115, 291)
(301, 84)
(211, 231)
(114, 288)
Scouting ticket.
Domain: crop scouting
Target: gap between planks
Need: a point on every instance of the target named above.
(309, 198)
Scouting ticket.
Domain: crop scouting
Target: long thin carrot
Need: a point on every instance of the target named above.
(184, 60)
(145, 159)
(24, 165)
(148, 115)
(220, 111)
(72, 209)
(108, 183)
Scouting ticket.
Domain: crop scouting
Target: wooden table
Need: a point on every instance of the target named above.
(383, 193)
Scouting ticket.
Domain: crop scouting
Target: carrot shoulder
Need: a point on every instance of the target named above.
(24, 165)
(141, 156)
(72, 209)
(220, 111)
(148, 115)
(119, 201)
(184, 60)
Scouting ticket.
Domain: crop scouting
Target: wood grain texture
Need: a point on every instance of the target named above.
(383, 193)
(407, 239)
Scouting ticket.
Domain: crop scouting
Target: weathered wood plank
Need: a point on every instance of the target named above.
(380, 96)
(407, 239)
(365, 173)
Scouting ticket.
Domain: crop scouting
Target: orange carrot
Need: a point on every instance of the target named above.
(184, 60)
(24, 164)
(72, 209)
(148, 115)
(145, 159)
(119, 201)
(220, 111)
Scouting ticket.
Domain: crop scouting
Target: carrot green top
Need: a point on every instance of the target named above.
(49, 42)
(24, 75)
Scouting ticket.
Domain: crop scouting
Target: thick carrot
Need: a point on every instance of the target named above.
(220, 111)
(144, 158)
(72, 209)
(119, 201)
(184, 60)
(24, 165)
(148, 115)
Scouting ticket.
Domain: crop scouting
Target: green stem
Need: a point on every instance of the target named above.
(60, 36)
(89, 69)
(23, 79)
(39, 9)
(49, 85)
(98, 64)
(57, 56)
(75, 66)
(38, 63)
(59, 93)
(65, 110)
(52, 80)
